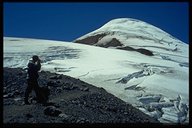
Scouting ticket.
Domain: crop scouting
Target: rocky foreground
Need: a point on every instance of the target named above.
(71, 101)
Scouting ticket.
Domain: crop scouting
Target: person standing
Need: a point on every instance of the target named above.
(34, 66)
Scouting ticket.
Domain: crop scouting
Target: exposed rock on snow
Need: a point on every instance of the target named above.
(128, 31)
(140, 50)
(162, 68)
(184, 64)
(92, 39)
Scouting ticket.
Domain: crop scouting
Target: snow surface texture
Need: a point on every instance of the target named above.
(157, 85)
(138, 34)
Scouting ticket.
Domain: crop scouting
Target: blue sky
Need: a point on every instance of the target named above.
(68, 21)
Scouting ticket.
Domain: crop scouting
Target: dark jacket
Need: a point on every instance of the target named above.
(33, 69)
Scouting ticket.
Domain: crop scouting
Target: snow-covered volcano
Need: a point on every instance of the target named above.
(157, 84)
(134, 35)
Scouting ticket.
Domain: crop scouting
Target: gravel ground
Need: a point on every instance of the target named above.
(71, 101)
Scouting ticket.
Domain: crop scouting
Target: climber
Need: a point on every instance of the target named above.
(34, 66)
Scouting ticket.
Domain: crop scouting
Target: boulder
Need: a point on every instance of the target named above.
(86, 89)
(52, 111)
(9, 95)
(59, 89)
(63, 115)
(50, 83)
(17, 92)
(56, 77)
(18, 99)
(28, 115)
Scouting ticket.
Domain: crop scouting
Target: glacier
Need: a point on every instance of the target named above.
(153, 84)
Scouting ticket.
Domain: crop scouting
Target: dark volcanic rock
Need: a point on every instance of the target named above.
(51, 83)
(86, 89)
(140, 50)
(71, 101)
(145, 51)
(126, 48)
(91, 40)
(28, 115)
(52, 111)
(9, 95)
(56, 77)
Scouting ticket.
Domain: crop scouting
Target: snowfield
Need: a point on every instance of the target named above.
(157, 85)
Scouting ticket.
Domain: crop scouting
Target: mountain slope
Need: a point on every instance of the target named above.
(138, 36)
(135, 61)
(74, 101)
(134, 35)
(156, 85)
